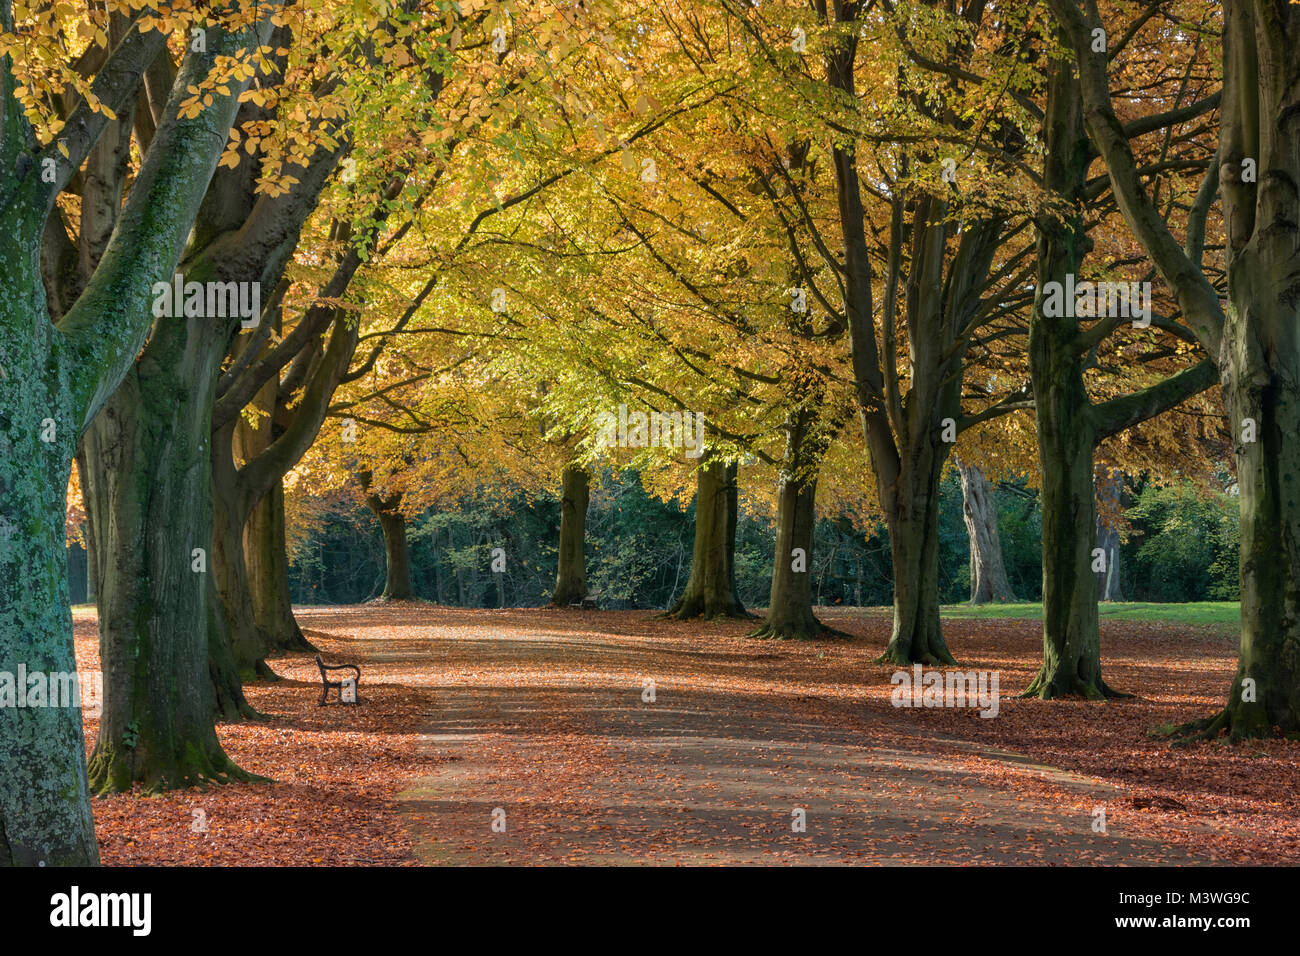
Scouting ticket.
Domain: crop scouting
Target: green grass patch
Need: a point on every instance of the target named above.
(1220, 614)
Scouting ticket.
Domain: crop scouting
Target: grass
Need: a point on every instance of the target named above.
(1221, 614)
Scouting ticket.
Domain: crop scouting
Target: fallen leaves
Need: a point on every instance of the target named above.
(539, 713)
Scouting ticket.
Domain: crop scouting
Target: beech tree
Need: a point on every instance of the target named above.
(1249, 336)
(988, 573)
(1070, 424)
(58, 375)
(923, 253)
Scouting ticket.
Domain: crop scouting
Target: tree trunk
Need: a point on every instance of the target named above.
(988, 574)
(265, 550)
(790, 611)
(1260, 360)
(1066, 432)
(571, 578)
(230, 574)
(1108, 584)
(1071, 636)
(93, 571)
(56, 379)
(1110, 490)
(44, 801)
(267, 557)
(711, 588)
(397, 569)
(146, 494)
(912, 516)
(1260, 367)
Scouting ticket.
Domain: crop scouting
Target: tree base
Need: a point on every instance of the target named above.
(261, 671)
(293, 641)
(113, 770)
(791, 631)
(230, 704)
(934, 657)
(1073, 687)
(687, 609)
(1238, 724)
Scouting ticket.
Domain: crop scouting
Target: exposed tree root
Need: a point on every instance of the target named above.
(113, 771)
(894, 655)
(790, 632)
(687, 609)
(1237, 724)
(1075, 687)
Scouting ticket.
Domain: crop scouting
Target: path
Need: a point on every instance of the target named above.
(547, 719)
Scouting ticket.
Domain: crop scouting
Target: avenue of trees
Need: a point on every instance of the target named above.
(860, 281)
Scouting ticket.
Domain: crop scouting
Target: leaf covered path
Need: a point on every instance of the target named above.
(552, 729)
(540, 713)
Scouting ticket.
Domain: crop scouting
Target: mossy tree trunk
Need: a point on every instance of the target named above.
(571, 573)
(711, 587)
(56, 379)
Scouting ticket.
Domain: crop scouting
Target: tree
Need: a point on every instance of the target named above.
(1256, 355)
(58, 376)
(397, 555)
(1070, 425)
(949, 268)
(571, 574)
(988, 575)
(710, 590)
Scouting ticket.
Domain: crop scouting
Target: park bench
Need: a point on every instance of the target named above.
(589, 602)
(325, 679)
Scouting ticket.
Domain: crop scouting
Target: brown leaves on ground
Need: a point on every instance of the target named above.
(542, 709)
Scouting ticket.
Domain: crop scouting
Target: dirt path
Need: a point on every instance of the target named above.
(559, 755)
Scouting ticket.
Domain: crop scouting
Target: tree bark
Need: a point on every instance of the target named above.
(711, 587)
(267, 556)
(988, 574)
(571, 575)
(397, 568)
(790, 610)
(147, 458)
(56, 379)
(1066, 431)
(911, 507)
(230, 573)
